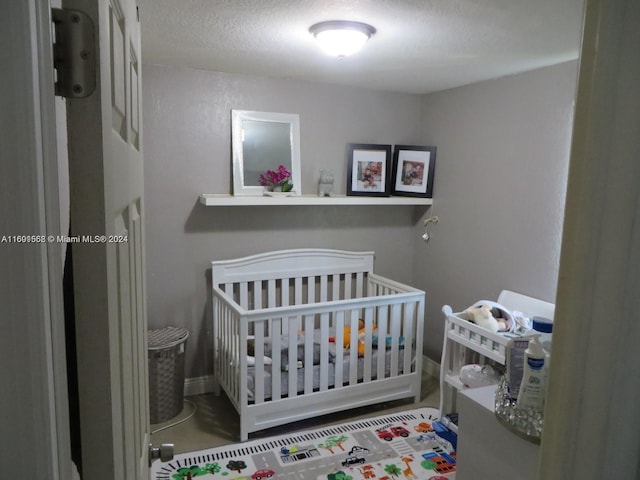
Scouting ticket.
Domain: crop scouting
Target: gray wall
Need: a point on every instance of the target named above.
(499, 191)
(500, 182)
(187, 152)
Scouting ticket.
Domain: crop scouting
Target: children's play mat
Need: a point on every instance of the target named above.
(405, 445)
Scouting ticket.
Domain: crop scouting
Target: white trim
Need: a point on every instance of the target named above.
(35, 404)
(430, 367)
(198, 385)
(592, 419)
(55, 251)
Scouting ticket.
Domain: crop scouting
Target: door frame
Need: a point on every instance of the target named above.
(35, 363)
(592, 420)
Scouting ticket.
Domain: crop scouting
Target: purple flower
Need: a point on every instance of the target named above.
(280, 177)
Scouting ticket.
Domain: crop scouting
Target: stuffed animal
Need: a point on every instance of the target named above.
(482, 316)
(346, 337)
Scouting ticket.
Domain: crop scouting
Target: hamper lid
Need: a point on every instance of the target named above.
(166, 337)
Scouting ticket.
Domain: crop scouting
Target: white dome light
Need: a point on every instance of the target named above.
(341, 38)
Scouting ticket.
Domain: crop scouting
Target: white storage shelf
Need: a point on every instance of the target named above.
(463, 339)
(225, 200)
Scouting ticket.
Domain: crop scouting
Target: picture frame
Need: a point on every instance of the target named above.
(413, 170)
(369, 171)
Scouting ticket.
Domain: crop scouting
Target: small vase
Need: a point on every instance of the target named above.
(279, 191)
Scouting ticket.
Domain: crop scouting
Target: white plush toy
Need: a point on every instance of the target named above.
(481, 315)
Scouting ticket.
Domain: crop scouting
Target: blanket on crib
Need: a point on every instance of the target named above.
(410, 444)
(331, 368)
(300, 354)
(300, 367)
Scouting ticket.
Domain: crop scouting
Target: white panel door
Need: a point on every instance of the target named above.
(107, 220)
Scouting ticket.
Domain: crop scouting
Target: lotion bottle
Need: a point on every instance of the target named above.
(531, 394)
(545, 327)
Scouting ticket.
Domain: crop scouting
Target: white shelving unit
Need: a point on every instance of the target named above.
(463, 339)
(462, 335)
(225, 200)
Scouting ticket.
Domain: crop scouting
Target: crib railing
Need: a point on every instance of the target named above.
(302, 317)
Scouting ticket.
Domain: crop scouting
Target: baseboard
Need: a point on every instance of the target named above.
(204, 384)
(198, 385)
(430, 367)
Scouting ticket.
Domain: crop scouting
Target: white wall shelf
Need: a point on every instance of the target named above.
(225, 200)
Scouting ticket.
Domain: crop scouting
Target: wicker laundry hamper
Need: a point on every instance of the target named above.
(166, 351)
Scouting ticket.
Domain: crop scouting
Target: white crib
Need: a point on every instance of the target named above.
(292, 307)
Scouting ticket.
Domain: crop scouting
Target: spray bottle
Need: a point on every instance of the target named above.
(531, 394)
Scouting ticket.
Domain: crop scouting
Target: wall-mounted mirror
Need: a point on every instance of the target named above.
(262, 141)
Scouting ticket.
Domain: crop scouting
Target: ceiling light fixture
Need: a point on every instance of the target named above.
(341, 38)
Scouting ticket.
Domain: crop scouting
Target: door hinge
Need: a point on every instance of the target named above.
(74, 57)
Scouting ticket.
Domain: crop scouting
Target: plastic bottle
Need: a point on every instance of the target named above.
(531, 393)
(544, 326)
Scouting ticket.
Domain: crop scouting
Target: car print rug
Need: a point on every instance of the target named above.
(406, 445)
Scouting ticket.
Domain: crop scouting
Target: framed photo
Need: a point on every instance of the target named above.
(413, 168)
(369, 169)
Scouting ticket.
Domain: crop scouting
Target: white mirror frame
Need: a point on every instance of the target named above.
(237, 119)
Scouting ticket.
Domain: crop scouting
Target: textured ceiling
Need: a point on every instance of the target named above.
(420, 46)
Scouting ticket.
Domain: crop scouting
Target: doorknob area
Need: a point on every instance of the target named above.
(164, 452)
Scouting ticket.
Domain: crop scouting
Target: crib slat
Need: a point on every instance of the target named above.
(324, 351)
(353, 348)
(293, 361)
(276, 347)
(284, 301)
(257, 295)
(308, 354)
(226, 346)
(339, 344)
(241, 388)
(407, 333)
(271, 303)
(271, 293)
(218, 346)
(225, 340)
(323, 288)
(231, 347)
(335, 284)
(359, 284)
(243, 295)
(311, 290)
(298, 290)
(284, 292)
(396, 321)
(382, 335)
(348, 294)
(368, 352)
(258, 329)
